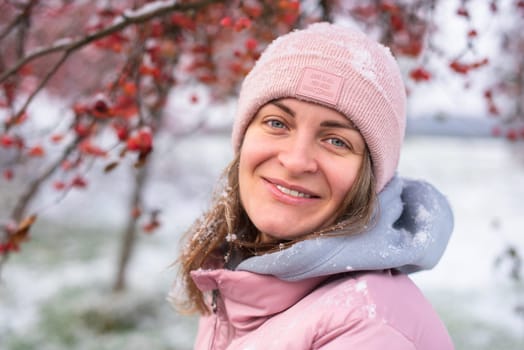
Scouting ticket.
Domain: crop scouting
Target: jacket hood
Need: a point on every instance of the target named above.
(411, 232)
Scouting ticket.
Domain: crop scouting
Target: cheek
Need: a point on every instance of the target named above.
(341, 182)
(246, 167)
(242, 176)
(253, 152)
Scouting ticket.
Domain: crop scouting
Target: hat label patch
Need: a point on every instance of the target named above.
(319, 85)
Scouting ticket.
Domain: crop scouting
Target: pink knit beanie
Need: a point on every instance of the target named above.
(340, 68)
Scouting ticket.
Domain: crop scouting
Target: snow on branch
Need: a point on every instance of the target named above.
(129, 17)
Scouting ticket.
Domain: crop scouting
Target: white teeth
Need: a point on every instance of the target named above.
(292, 192)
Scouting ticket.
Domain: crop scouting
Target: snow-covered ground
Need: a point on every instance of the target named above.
(69, 264)
(484, 181)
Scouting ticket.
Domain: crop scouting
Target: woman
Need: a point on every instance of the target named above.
(308, 243)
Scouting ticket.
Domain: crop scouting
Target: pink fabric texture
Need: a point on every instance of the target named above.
(340, 68)
(366, 311)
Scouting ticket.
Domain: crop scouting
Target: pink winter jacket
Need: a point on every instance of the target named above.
(378, 310)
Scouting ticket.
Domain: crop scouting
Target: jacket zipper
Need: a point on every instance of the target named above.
(214, 296)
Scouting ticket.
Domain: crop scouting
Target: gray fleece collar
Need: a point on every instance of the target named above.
(411, 233)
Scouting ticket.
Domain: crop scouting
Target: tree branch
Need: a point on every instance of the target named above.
(326, 11)
(141, 15)
(42, 84)
(20, 208)
(18, 19)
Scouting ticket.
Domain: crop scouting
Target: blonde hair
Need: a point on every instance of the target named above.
(225, 231)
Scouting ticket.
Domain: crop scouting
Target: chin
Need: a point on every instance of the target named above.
(272, 234)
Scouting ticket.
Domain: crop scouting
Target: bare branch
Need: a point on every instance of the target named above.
(33, 188)
(327, 15)
(131, 17)
(129, 235)
(24, 14)
(42, 83)
(3, 261)
(20, 208)
(519, 109)
(21, 40)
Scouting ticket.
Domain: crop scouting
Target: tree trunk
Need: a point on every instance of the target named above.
(129, 235)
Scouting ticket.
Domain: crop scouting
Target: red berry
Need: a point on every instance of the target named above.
(79, 182)
(242, 23)
(81, 129)
(36, 151)
(56, 138)
(512, 135)
(8, 174)
(101, 106)
(226, 22)
(463, 12)
(420, 74)
(121, 131)
(59, 185)
(251, 44)
(140, 141)
(7, 141)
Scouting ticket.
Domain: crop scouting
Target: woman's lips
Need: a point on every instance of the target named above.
(291, 190)
(292, 193)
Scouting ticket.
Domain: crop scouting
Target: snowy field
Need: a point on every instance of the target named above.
(55, 294)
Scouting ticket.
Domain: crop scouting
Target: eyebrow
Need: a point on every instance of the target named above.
(284, 108)
(326, 123)
(336, 124)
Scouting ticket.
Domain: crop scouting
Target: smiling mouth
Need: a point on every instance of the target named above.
(293, 193)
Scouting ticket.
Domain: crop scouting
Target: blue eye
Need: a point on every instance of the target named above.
(277, 124)
(337, 142)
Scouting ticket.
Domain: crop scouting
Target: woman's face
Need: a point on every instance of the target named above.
(297, 163)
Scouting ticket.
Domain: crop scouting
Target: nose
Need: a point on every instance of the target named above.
(298, 156)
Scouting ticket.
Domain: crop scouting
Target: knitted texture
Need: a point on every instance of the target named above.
(340, 68)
